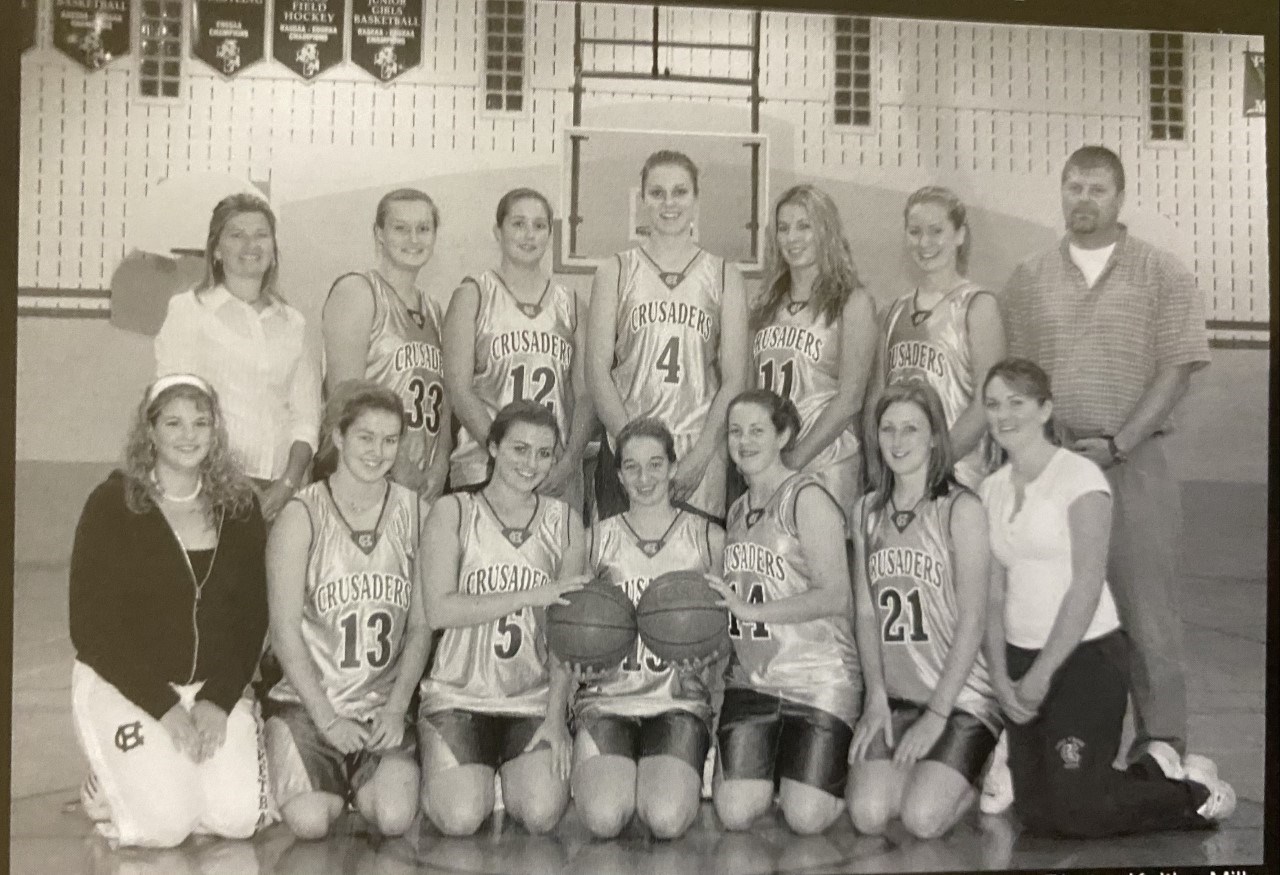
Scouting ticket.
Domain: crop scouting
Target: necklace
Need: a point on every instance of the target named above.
(919, 316)
(365, 539)
(903, 518)
(651, 546)
(179, 499)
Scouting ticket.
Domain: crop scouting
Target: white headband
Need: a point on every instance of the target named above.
(177, 380)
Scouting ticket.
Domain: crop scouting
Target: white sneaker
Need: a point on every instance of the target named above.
(1167, 759)
(997, 784)
(93, 800)
(1221, 803)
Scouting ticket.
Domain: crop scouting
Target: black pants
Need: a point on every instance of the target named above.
(1064, 783)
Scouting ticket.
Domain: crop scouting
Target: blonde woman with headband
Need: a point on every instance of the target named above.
(168, 615)
(234, 330)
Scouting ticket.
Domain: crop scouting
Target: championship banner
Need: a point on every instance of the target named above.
(386, 36)
(28, 18)
(307, 35)
(92, 32)
(1255, 84)
(229, 35)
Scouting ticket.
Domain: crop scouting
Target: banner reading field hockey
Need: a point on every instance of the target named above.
(307, 35)
(229, 35)
(92, 32)
(386, 36)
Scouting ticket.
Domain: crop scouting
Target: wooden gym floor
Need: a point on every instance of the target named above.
(1224, 605)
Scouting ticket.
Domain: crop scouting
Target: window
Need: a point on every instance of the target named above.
(1167, 87)
(852, 96)
(504, 54)
(160, 60)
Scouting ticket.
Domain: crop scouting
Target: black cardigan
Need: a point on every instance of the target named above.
(134, 618)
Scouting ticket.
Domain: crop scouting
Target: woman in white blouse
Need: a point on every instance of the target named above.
(236, 331)
(1056, 652)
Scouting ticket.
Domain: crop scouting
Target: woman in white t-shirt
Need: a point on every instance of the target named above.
(1057, 655)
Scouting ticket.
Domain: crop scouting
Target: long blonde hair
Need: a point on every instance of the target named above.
(226, 488)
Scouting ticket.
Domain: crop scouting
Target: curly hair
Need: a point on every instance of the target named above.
(837, 277)
(226, 488)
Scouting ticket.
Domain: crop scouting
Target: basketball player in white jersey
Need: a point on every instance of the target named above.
(666, 338)
(793, 693)
(380, 326)
(643, 731)
(814, 338)
(511, 334)
(947, 330)
(930, 717)
(350, 634)
(495, 701)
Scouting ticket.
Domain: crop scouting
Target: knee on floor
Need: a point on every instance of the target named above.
(668, 818)
(809, 815)
(310, 817)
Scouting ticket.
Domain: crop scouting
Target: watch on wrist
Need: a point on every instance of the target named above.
(1116, 456)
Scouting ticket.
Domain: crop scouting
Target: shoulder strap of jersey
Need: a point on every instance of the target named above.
(366, 276)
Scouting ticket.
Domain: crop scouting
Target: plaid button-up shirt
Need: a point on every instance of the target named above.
(1102, 346)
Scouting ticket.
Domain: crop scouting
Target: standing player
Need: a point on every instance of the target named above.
(920, 593)
(380, 326)
(644, 730)
(514, 334)
(494, 700)
(349, 633)
(168, 611)
(667, 338)
(947, 331)
(815, 337)
(793, 693)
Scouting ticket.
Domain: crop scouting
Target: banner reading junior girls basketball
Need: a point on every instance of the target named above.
(386, 36)
(92, 32)
(306, 35)
(229, 35)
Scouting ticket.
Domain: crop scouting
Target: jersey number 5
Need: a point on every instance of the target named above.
(895, 630)
(424, 410)
(511, 634)
(379, 623)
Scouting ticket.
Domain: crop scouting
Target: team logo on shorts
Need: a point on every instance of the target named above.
(1070, 749)
(129, 736)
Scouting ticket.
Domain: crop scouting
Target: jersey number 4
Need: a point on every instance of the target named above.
(379, 625)
(669, 361)
(896, 626)
(758, 629)
(424, 405)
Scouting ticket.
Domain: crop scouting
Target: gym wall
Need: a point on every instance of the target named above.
(990, 110)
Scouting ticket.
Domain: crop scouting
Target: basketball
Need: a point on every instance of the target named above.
(679, 618)
(597, 629)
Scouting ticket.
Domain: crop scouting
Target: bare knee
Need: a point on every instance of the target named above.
(737, 809)
(870, 814)
(927, 819)
(540, 811)
(393, 817)
(605, 814)
(668, 818)
(455, 814)
(311, 816)
(811, 813)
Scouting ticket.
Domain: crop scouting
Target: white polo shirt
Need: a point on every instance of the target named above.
(1034, 546)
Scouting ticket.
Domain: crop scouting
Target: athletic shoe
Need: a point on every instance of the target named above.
(708, 773)
(93, 800)
(1166, 758)
(997, 784)
(498, 804)
(1221, 803)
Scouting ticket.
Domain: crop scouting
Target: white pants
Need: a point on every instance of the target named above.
(158, 795)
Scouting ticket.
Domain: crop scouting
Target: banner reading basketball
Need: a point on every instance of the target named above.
(229, 35)
(92, 32)
(307, 35)
(386, 36)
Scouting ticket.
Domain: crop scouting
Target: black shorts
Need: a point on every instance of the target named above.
(302, 760)
(676, 733)
(475, 738)
(763, 737)
(965, 745)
